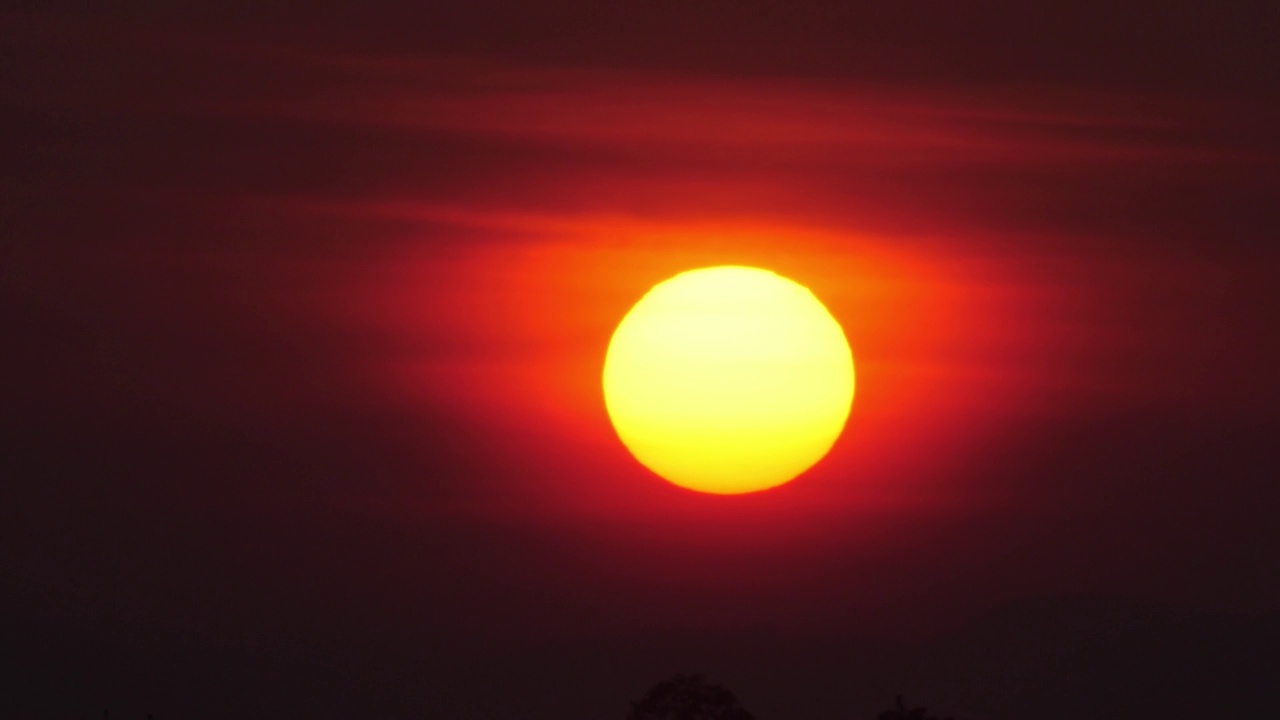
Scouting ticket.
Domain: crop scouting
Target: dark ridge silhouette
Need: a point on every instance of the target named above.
(900, 711)
(688, 697)
(691, 697)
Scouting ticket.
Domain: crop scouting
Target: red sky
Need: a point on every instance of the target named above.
(307, 315)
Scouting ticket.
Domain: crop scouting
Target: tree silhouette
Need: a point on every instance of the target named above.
(901, 712)
(687, 697)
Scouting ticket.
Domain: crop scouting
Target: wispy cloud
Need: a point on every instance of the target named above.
(811, 121)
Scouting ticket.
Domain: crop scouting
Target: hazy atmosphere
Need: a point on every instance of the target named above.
(305, 310)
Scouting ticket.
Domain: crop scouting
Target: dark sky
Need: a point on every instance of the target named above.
(304, 308)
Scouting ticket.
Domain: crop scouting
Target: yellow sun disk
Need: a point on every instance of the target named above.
(728, 379)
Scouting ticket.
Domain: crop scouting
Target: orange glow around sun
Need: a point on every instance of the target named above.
(509, 339)
(728, 380)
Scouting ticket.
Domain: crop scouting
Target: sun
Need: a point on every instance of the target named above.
(728, 379)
